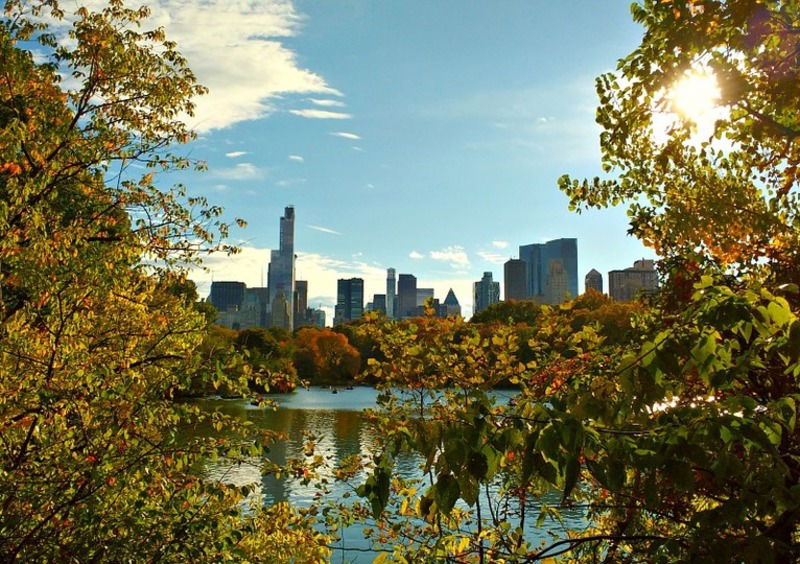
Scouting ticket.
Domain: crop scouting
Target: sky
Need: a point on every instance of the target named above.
(423, 136)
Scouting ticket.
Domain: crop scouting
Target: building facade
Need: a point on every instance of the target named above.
(391, 289)
(593, 281)
(485, 292)
(406, 296)
(450, 307)
(227, 295)
(349, 300)
(559, 258)
(280, 273)
(628, 284)
(515, 280)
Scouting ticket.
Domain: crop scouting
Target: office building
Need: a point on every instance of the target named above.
(515, 280)
(300, 303)
(379, 303)
(628, 284)
(485, 292)
(349, 300)
(406, 296)
(450, 306)
(391, 289)
(280, 273)
(593, 281)
(423, 294)
(227, 295)
(558, 257)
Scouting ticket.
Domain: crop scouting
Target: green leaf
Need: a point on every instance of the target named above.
(446, 492)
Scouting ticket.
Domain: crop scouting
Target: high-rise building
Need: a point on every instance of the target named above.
(281, 314)
(300, 303)
(227, 295)
(391, 288)
(349, 300)
(485, 292)
(406, 296)
(593, 281)
(450, 306)
(555, 291)
(626, 285)
(423, 294)
(540, 257)
(280, 274)
(515, 280)
(379, 303)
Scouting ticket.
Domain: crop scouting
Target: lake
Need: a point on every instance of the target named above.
(337, 423)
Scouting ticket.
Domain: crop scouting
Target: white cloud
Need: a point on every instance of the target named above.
(324, 229)
(286, 182)
(370, 185)
(499, 244)
(236, 154)
(221, 187)
(493, 258)
(297, 158)
(242, 171)
(455, 255)
(326, 102)
(320, 114)
(415, 255)
(359, 149)
(236, 49)
(345, 134)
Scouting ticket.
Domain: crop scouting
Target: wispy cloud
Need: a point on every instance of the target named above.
(221, 187)
(326, 102)
(324, 229)
(359, 149)
(415, 255)
(493, 258)
(345, 134)
(297, 158)
(286, 182)
(455, 255)
(242, 171)
(499, 244)
(320, 114)
(236, 154)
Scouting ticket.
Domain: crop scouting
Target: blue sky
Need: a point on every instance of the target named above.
(424, 136)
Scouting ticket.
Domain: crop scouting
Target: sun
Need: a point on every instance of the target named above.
(695, 96)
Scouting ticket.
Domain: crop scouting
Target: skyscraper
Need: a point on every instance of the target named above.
(450, 306)
(280, 274)
(539, 257)
(300, 303)
(626, 285)
(349, 300)
(406, 296)
(227, 295)
(391, 286)
(515, 280)
(593, 281)
(485, 292)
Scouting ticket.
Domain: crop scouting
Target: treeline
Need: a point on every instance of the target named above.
(277, 360)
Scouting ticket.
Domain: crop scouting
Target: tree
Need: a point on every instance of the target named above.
(325, 356)
(97, 328)
(680, 441)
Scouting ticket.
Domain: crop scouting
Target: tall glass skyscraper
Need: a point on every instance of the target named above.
(558, 259)
(280, 274)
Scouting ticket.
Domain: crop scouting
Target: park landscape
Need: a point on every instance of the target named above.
(669, 423)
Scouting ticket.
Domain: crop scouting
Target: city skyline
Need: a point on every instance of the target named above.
(408, 138)
(535, 284)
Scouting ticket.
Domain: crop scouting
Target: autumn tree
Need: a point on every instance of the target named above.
(680, 440)
(325, 356)
(97, 330)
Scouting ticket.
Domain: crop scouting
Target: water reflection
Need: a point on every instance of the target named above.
(339, 430)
